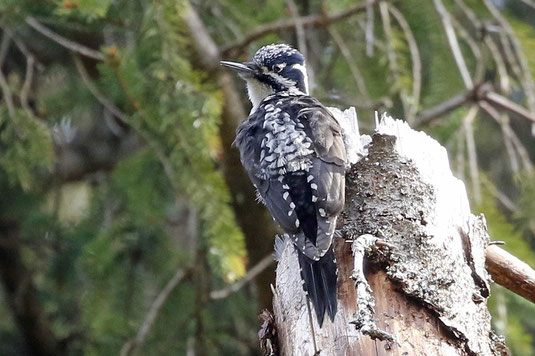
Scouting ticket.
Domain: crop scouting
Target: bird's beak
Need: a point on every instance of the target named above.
(245, 70)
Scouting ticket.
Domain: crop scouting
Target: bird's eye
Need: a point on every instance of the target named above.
(277, 68)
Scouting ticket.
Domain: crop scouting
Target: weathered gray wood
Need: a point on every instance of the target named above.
(431, 290)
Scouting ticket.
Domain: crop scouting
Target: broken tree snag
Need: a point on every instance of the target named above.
(424, 261)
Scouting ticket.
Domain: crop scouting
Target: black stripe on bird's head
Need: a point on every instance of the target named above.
(273, 68)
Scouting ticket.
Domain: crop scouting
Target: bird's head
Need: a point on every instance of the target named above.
(274, 68)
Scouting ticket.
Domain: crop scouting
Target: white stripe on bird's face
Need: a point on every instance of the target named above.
(303, 70)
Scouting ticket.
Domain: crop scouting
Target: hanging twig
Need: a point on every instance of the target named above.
(479, 27)
(132, 347)
(445, 18)
(391, 53)
(505, 85)
(369, 32)
(4, 47)
(530, 3)
(301, 40)
(509, 147)
(96, 93)
(26, 86)
(69, 44)
(164, 160)
(460, 152)
(353, 67)
(474, 48)
(472, 153)
(415, 59)
(515, 140)
(299, 29)
(501, 196)
(6, 92)
(253, 272)
(526, 78)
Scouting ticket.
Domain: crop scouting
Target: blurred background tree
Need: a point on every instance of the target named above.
(126, 222)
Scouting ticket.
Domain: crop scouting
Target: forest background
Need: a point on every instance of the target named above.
(127, 224)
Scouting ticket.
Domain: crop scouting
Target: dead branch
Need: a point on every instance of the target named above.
(504, 103)
(476, 94)
(511, 273)
(429, 115)
(317, 21)
(249, 276)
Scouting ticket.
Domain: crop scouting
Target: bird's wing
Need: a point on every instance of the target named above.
(271, 189)
(328, 169)
(307, 199)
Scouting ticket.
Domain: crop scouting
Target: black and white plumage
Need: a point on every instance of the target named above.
(293, 150)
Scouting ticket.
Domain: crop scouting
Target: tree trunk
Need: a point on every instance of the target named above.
(408, 222)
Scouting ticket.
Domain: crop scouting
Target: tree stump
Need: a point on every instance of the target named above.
(424, 260)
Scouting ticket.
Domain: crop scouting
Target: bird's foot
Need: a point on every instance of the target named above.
(363, 318)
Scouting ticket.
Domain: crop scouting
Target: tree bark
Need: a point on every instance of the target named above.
(424, 259)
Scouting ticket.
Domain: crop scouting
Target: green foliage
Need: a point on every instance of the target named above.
(26, 147)
(526, 203)
(89, 9)
(512, 315)
(102, 248)
(518, 321)
(526, 36)
(502, 230)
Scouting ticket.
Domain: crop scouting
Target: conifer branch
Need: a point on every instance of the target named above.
(62, 41)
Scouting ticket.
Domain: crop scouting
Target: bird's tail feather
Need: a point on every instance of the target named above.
(320, 283)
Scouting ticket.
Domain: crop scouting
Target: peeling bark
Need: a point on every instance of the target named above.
(430, 289)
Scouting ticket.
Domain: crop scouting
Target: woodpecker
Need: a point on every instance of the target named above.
(293, 151)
